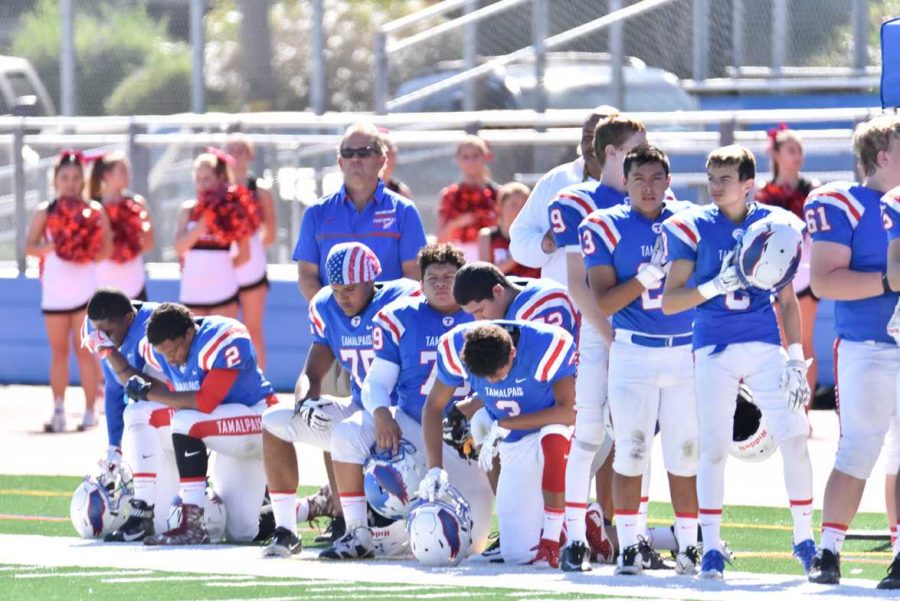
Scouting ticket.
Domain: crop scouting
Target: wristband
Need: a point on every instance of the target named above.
(708, 289)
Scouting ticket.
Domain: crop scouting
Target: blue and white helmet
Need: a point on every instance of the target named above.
(97, 508)
(391, 480)
(440, 531)
(768, 254)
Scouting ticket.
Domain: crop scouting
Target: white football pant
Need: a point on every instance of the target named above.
(281, 421)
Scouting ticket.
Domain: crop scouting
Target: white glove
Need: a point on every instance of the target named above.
(313, 413)
(650, 275)
(491, 445)
(794, 385)
(110, 464)
(727, 280)
(658, 255)
(893, 326)
(434, 484)
(96, 341)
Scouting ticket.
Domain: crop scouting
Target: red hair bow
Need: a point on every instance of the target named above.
(222, 155)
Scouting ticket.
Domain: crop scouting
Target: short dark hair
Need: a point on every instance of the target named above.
(487, 349)
(168, 322)
(440, 254)
(476, 281)
(734, 155)
(109, 303)
(643, 155)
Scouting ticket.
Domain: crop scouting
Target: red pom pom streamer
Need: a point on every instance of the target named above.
(76, 229)
(230, 213)
(128, 220)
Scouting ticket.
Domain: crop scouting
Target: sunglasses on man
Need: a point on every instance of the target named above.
(363, 153)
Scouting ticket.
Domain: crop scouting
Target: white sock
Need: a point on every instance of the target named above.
(686, 530)
(628, 528)
(578, 482)
(144, 487)
(642, 516)
(711, 525)
(59, 403)
(302, 510)
(895, 546)
(832, 536)
(355, 510)
(283, 508)
(553, 523)
(802, 512)
(192, 491)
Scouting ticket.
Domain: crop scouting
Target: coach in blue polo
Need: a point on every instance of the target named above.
(363, 210)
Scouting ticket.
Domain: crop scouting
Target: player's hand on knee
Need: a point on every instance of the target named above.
(314, 414)
(794, 385)
(137, 388)
(491, 445)
(434, 484)
(387, 430)
(727, 281)
(110, 464)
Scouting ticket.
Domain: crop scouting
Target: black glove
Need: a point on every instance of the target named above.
(458, 435)
(137, 388)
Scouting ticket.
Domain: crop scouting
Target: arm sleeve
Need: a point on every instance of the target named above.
(379, 384)
(529, 226)
(114, 396)
(307, 249)
(215, 388)
(412, 236)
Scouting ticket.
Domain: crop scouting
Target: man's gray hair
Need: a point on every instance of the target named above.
(368, 128)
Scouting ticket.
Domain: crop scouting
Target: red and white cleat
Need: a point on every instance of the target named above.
(602, 547)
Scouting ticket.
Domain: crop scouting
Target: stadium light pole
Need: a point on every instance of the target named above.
(67, 82)
(470, 47)
(317, 67)
(617, 58)
(198, 102)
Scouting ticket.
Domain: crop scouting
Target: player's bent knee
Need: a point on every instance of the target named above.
(137, 414)
(277, 421)
(857, 458)
(347, 445)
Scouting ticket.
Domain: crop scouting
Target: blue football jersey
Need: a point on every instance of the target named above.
(573, 203)
(703, 235)
(544, 355)
(543, 300)
(350, 338)
(220, 343)
(890, 213)
(131, 348)
(850, 214)
(406, 333)
(623, 239)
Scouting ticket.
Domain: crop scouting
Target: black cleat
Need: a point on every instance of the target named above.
(650, 558)
(284, 544)
(575, 558)
(826, 568)
(353, 545)
(137, 527)
(336, 529)
(492, 552)
(892, 580)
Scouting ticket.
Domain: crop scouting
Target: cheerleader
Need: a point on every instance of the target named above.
(70, 236)
(129, 219)
(493, 242)
(208, 227)
(252, 280)
(470, 205)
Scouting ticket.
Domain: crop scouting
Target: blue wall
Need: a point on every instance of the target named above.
(25, 356)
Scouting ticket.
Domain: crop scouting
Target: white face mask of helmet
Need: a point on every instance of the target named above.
(440, 531)
(751, 439)
(98, 509)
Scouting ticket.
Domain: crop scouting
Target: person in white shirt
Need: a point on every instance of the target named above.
(531, 242)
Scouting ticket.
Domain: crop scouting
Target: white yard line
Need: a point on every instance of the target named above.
(87, 574)
(191, 578)
(243, 560)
